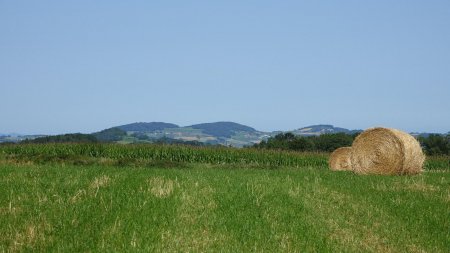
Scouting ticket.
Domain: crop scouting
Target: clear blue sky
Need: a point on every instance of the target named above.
(82, 66)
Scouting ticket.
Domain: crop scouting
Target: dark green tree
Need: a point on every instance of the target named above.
(435, 144)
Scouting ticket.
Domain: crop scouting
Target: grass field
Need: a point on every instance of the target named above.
(70, 198)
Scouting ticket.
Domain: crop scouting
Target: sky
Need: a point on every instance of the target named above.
(83, 66)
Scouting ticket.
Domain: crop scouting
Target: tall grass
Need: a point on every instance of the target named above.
(441, 162)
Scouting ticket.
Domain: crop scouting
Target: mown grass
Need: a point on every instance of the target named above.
(104, 205)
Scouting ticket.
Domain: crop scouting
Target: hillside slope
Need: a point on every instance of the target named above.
(146, 127)
(322, 129)
(223, 129)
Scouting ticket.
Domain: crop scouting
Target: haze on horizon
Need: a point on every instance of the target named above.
(84, 66)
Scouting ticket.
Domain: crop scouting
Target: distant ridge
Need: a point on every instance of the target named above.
(323, 129)
(223, 128)
(146, 127)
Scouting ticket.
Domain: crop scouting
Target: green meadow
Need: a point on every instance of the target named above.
(149, 198)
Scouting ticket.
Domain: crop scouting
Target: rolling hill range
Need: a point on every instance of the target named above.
(215, 133)
(222, 133)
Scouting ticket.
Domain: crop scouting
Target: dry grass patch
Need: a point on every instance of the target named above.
(161, 187)
(421, 187)
(77, 196)
(194, 233)
(10, 210)
(99, 182)
(30, 236)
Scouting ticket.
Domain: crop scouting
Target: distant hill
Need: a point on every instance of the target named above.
(110, 134)
(147, 127)
(222, 129)
(426, 135)
(63, 138)
(322, 129)
(17, 137)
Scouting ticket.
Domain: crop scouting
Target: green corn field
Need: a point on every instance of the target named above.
(180, 154)
(170, 153)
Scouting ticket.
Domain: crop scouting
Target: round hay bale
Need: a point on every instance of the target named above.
(386, 151)
(340, 159)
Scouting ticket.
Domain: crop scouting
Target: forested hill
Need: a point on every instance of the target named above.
(223, 129)
(146, 127)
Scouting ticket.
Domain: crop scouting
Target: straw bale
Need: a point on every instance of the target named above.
(340, 159)
(386, 151)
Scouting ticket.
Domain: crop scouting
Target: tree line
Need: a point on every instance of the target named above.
(320, 143)
(433, 144)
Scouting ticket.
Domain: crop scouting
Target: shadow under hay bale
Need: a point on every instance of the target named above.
(340, 159)
(386, 151)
